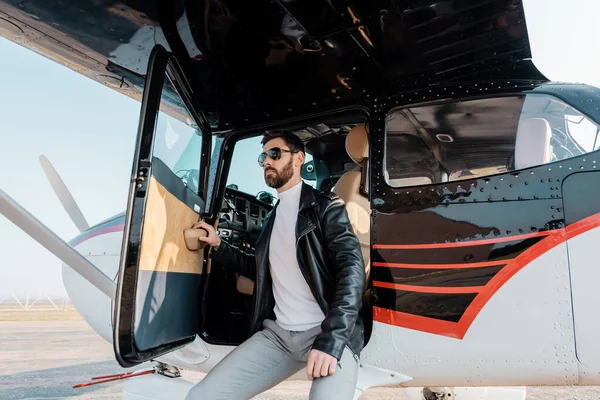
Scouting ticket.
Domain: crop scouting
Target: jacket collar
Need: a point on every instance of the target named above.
(303, 224)
(307, 200)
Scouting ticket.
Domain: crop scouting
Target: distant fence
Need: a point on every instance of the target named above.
(37, 301)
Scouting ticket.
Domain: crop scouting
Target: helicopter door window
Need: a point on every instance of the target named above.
(452, 141)
(583, 131)
(178, 140)
(245, 174)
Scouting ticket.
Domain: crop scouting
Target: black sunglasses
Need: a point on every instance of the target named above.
(274, 154)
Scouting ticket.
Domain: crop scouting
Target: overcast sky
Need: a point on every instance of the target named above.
(88, 131)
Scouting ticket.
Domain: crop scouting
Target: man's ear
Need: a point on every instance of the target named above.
(301, 157)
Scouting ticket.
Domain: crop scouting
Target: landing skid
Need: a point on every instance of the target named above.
(466, 393)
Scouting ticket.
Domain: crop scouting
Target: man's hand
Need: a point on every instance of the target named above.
(320, 364)
(212, 239)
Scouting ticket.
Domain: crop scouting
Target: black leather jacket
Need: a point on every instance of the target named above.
(331, 261)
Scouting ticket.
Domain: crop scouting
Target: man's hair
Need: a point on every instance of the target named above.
(292, 141)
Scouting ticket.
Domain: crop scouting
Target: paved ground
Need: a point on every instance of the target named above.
(44, 359)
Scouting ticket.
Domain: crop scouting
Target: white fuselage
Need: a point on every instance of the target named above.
(537, 329)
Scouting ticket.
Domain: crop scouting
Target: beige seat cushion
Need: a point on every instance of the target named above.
(348, 188)
(359, 211)
(532, 146)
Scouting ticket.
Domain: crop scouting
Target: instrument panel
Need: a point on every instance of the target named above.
(241, 218)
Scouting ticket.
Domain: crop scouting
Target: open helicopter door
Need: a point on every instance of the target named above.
(159, 277)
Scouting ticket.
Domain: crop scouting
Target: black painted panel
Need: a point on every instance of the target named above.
(166, 308)
(457, 277)
(455, 255)
(457, 223)
(536, 183)
(485, 213)
(447, 307)
(581, 196)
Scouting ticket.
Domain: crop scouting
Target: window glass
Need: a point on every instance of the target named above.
(463, 140)
(583, 131)
(178, 140)
(245, 173)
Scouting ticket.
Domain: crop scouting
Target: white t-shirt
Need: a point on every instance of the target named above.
(295, 306)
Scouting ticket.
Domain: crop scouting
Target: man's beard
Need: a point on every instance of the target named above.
(278, 179)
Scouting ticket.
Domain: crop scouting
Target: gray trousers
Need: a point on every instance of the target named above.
(268, 358)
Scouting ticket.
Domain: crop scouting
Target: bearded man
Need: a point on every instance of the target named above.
(309, 279)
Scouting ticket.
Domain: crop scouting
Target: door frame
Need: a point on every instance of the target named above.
(161, 62)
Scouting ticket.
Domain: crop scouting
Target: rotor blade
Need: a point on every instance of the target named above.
(63, 194)
(44, 236)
